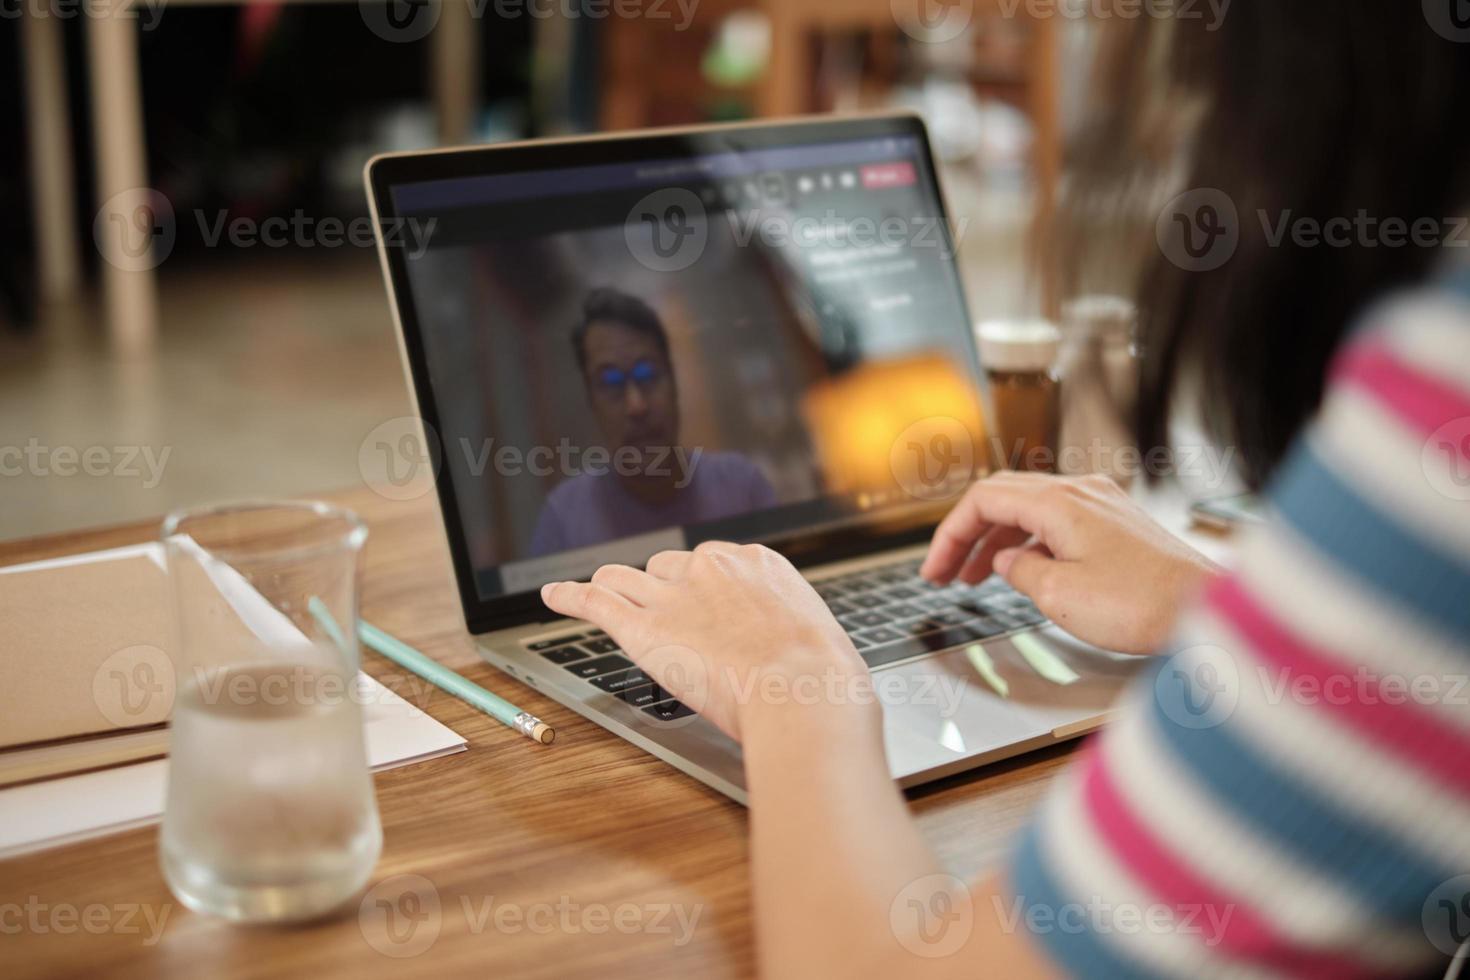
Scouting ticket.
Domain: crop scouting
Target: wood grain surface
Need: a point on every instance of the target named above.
(584, 858)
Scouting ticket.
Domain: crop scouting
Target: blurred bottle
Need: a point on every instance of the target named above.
(1020, 359)
(1099, 371)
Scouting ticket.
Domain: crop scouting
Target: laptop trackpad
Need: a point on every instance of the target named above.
(941, 709)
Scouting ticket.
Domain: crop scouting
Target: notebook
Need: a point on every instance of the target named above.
(84, 642)
(73, 628)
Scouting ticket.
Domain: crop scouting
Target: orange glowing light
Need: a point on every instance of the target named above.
(874, 428)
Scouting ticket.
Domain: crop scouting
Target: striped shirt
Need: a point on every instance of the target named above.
(1288, 792)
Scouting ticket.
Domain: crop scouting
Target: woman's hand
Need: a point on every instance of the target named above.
(1081, 549)
(733, 631)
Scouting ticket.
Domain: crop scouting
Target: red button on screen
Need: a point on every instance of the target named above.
(882, 175)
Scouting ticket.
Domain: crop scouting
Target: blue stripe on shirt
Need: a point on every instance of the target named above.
(1367, 860)
(1080, 952)
(1457, 279)
(1363, 541)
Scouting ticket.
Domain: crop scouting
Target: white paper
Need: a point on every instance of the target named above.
(60, 811)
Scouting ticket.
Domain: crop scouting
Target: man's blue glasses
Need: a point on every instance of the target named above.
(644, 374)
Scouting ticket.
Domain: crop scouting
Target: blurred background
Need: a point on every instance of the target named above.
(190, 303)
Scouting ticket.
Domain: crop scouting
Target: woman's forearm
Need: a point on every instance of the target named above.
(833, 847)
(837, 861)
(832, 841)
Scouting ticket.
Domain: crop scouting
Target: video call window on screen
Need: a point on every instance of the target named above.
(631, 357)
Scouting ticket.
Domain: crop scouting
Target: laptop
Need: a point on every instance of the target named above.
(624, 344)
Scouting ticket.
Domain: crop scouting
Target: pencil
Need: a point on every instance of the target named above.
(437, 674)
(442, 677)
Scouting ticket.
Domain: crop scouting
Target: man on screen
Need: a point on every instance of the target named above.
(622, 350)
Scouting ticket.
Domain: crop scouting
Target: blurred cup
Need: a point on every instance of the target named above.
(1020, 358)
(270, 815)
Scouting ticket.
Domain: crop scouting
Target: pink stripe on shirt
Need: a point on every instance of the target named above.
(1421, 400)
(1245, 933)
(1410, 731)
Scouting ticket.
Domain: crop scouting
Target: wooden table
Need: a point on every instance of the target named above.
(558, 861)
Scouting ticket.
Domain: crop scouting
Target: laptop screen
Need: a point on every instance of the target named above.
(737, 334)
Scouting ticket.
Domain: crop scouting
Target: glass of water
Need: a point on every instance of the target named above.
(270, 814)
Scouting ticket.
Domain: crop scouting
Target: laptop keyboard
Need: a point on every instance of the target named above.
(889, 613)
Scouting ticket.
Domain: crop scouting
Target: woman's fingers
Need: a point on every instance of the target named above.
(640, 588)
(669, 565)
(1029, 502)
(978, 566)
(593, 603)
(1032, 571)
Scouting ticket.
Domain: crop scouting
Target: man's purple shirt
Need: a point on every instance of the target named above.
(595, 507)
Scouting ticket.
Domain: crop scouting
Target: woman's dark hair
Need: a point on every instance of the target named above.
(606, 304)
(1296, 110)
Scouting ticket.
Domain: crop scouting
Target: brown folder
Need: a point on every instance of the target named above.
(85, 660)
